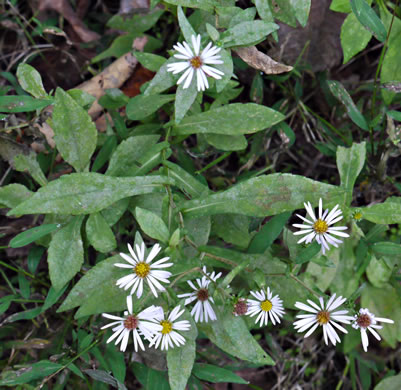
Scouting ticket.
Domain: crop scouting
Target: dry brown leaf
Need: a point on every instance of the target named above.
(114, 76)
(258, 60)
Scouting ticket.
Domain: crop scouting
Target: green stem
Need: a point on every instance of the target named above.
(24, 272)
(213, 163)
(304, 285)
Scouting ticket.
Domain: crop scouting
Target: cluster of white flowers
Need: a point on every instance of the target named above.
(163, 330)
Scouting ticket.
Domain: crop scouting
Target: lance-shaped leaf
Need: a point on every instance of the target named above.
(103, 274)
(231, 334)
(350, 162)
(368, 18)
(338, 90)
(185, 26)
(12, 195)
(206, 5)
(75, 133)
(232, 119)
(99, 233)
(86, 193)
(22, 103)
(383, 213)
(265, 195)
(140, 107)
(66, 253)
(152, 224)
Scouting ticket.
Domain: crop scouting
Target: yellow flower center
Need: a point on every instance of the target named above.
(323, 317)
(142, 270)
(320, 226)
(196, 62)
(266, 305)
(167, 326)
(358, 216)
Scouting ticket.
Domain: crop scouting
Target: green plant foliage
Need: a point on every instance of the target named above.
(75, 133)
(233, 119)
(264, 196)
(86, 193)
(22, 103)
(354, 37)
(30, 80)
(66, 253)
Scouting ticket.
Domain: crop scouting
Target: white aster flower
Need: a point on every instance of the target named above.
(196, 61)
(139, 324)
(320, 228)
(266, 306)
(365, 320)
(202, 310)
(168, 335)
(142, 269)
(324, 317)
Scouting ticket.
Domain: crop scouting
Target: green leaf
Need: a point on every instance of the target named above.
(29, 373)
(284, 11)
(354, 37)
(180, 360)
(186, 28)
(141, 106)
(87, 193)
(24, 286)
(264, 195)
(301, 9)
(227, 142)
(232, 229)
(121, 45)
(150, 379)
(268, 233)
(231, 334)
(152, 225)
(383, 213)
(384, 302)
(83, 98)
(247, 33)
(233, 119)
(162, 80)
(227, 67)
(215, 374)
(150, 61)
(113, 99)
(29, 163)
(103, 274)
(99, 233)
(75, 133)
(306, 254)
(341, 6)
(22, 103)
(66, 253)
(185, 181)
(213, 33)
(32, 235)
(12, 195)
(389, 383)
(391, 69)
(246, 15)
(368, 18)
(104, 153)
(387, 248)
(128, 153)
(30, 80)
(206, 5)
(138, 23)
(338, 90)
(105, 377)
(184, 99)
(264, 10)
(350, 162)
(378, 272)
